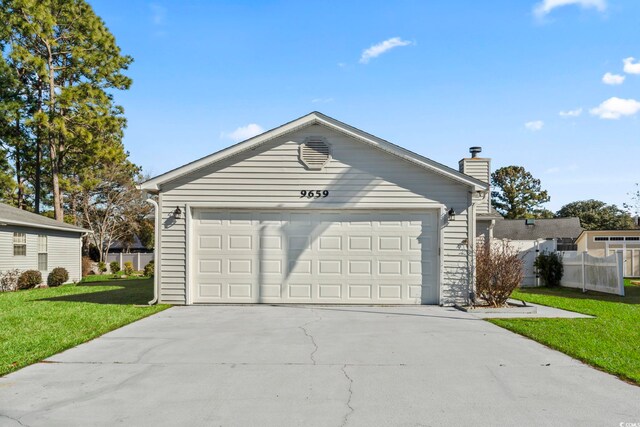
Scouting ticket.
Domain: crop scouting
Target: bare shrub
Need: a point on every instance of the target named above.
(9, 280)
(499, 271)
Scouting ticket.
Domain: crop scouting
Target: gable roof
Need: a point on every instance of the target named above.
(517, 229)
(153, 184)
(632, 232)
(14, 216)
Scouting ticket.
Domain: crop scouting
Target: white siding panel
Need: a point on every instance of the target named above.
(271, 177)
(63, 250)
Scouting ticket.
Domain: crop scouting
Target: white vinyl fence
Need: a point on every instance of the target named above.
(587, 272)
(139, 260)
(529, 250)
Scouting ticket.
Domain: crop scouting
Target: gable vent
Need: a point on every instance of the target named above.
(315, 153)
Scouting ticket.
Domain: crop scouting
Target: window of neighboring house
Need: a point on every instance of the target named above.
(600, 239)
(42, 253)
(19, 244)
(632, 238)
(617, 238)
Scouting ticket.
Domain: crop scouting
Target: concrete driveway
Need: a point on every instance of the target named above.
(308, 366)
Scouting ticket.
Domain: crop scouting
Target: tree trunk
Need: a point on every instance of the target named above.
(54, 144)
(18, 161)
(38, 177)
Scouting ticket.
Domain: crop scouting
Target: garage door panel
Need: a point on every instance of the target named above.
(322, 257)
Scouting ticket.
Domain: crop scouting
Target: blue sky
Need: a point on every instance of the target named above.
(527, 80)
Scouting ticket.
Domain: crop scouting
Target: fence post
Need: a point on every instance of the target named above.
(584, 276)
(620, 262)
(120, 260)
(138, 263)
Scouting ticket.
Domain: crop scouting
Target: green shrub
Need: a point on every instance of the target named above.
(114, 266)
(128, 268)
(29, 279)
(149, 269)
(550, 268)
(102, 267)
(57, 277)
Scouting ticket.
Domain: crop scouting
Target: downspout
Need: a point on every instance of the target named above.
(156, 247)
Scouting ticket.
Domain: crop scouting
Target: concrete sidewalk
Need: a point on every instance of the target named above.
(314, 366)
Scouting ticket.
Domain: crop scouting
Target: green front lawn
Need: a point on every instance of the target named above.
(38, 323)
(609, 342)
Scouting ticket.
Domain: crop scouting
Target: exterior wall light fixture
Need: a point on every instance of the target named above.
(177, 214)
(451, 214)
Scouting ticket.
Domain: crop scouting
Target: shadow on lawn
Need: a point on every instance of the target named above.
(631, 294)
(121, 292)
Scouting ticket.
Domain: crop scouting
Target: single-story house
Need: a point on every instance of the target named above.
(34, 242)
(606, 242)
(533, 236)
(317, 211)
(563, 231)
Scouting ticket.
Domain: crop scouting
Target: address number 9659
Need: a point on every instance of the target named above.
(314, 194)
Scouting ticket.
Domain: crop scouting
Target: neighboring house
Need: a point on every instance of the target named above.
(135, 247)
(532, 236)
(316, 211)
(34, 242)
(606, 242)
(564, 231)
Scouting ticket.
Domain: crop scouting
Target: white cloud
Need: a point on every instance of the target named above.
(571, 113)
(613, 79)
(546, 6)
(158, 13)
(380, 48)
(614, 108)
(243, 132)
(534, 126)
(631, 67)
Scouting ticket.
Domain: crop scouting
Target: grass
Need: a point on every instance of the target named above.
(38, 323)
(109, 277)
(608, 342)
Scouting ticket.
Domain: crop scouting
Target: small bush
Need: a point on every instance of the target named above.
(57, 277)
(29, 279)
(102, 267)
(9, 280)
(550, 268)
(149, 269)
(114, 266)
(87, 265)
(499, 271)
(128, 268)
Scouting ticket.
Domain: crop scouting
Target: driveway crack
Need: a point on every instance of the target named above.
(14, 419)
(308, 335)
(345, 420)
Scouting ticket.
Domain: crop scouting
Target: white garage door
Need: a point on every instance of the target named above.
(314, 257)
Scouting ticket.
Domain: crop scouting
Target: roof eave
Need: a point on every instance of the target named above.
(45, 227)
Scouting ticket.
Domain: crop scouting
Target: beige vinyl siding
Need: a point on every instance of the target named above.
(63, 250)
(479, 168)
(271, 177)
